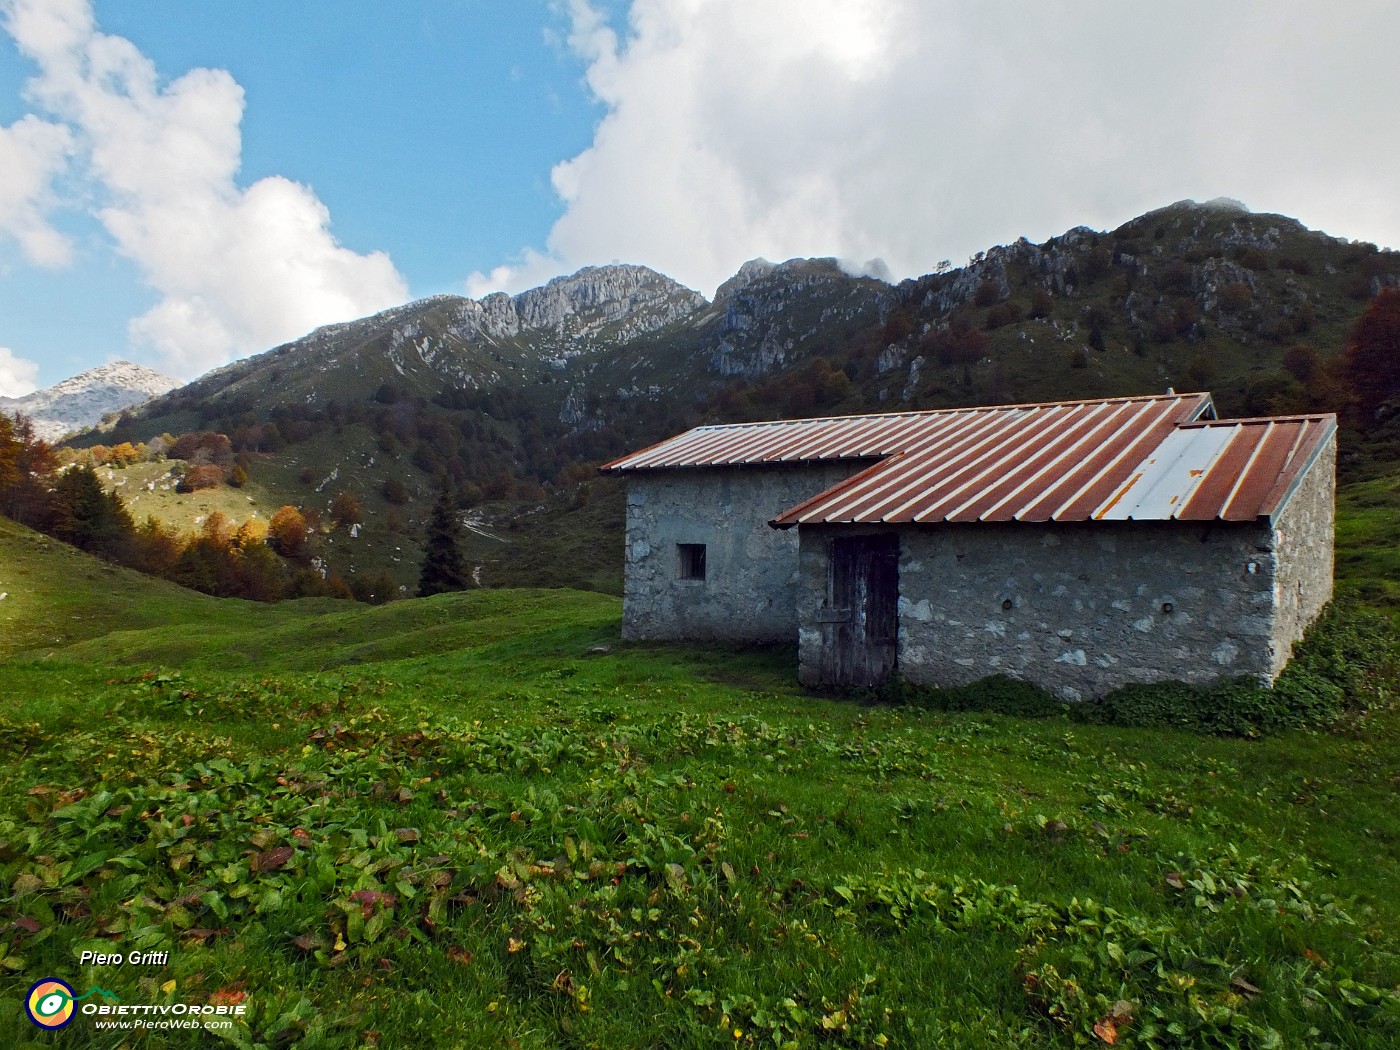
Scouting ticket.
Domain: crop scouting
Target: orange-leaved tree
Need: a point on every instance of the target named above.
(346, 510)
(1370, 365)
(286, 532)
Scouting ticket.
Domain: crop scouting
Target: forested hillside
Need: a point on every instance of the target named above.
(515, 400)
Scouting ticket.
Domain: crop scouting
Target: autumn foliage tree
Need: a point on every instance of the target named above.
(26, 466)
(1370, 365)
(203, 476)
(286, 532)
(346, 510)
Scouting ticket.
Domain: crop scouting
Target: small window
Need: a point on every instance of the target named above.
(691, 557)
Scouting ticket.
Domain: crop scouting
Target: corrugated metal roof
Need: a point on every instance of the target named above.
(1046, 462)
(847, 437)
(1230, 469)
(1142, 458)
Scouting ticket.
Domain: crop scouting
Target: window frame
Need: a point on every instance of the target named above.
(691, 562)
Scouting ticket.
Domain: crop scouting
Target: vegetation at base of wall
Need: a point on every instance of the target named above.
(996, 694)
(1346, 666)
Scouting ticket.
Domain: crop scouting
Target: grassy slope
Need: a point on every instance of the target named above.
(148, 490)
(1368, 540)
(56, 596)
(568, 540)
(653, 845)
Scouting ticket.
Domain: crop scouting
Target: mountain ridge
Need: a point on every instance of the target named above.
(515, 396)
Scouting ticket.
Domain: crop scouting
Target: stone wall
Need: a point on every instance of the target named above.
(1304, 536)
(1077, 608)
(750, 588)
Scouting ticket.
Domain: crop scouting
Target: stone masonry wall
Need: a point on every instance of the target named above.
(1079, 609)
(1304, 536)
(750, 588)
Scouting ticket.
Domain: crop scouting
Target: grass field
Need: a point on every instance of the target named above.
(480, 820)
(1368, 541)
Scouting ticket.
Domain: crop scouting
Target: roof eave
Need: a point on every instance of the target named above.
(1329, 433)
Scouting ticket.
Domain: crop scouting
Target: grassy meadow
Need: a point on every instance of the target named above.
(479, 820)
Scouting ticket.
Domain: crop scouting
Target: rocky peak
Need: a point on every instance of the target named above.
(84, 399)
(751, 271)
(617, 302)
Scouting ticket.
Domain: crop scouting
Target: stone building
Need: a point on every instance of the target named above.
(1077, 545)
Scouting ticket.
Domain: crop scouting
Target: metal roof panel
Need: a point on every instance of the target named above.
(1161, 484)
(1118, 459)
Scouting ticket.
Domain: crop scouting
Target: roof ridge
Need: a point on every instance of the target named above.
(1297, 417)
(871, 435)
(952, 411)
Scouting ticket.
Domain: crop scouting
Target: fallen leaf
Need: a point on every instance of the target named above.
(271, 859)
(1175, 881)
(230, 996)
(1242, 986)
(25, 883)
(460, 956)
(1107, 1030)
(367, 899)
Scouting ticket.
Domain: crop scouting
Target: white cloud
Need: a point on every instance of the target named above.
(32, 153)
(17, 375)
(914, 131)
(238, 269)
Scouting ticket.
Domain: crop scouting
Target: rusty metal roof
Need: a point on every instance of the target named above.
(1141, 458)
(852, 437)
(1231, 469)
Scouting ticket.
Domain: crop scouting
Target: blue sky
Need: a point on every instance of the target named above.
(185, 183)
(428, 130)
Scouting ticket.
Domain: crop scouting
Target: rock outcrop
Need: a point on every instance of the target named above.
(613, 302)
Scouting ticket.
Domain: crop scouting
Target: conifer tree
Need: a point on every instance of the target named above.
(88, 517)
(443, 567)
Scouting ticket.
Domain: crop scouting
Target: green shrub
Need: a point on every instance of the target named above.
(1233, 707)
(997, 694)
(1345, 666)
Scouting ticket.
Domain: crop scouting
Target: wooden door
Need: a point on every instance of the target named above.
(860, 622)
